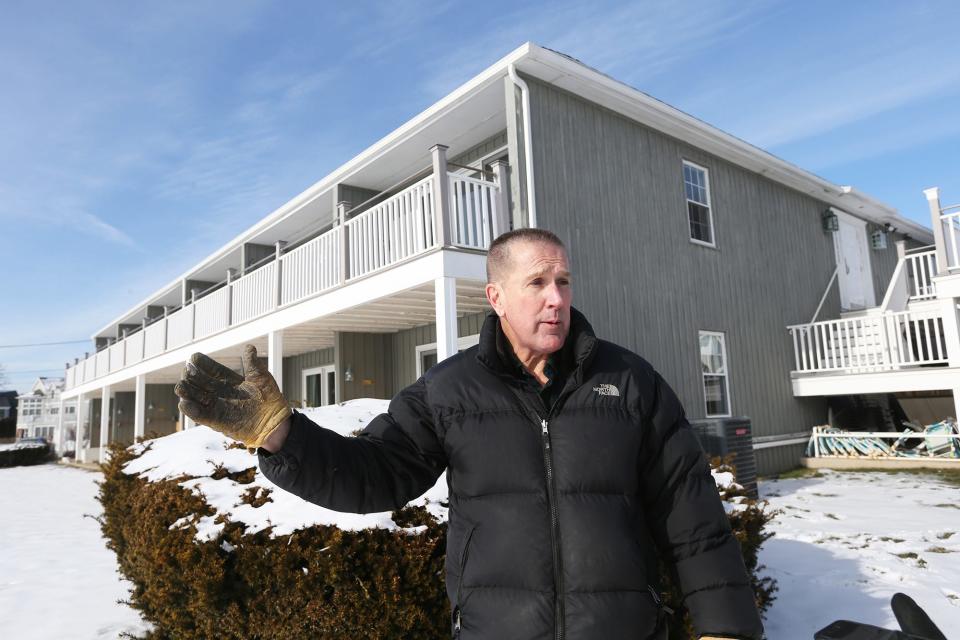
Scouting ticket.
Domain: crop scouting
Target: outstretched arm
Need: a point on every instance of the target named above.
(395, 459)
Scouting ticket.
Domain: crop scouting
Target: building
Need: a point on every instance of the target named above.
(43, 415)
(690, 246)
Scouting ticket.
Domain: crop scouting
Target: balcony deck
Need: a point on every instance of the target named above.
(373, 273)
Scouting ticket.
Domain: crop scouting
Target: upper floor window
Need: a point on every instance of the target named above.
(713, 363)
(696, 187)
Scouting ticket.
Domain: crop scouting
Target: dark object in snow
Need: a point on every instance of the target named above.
(913, 619)
(914, 622)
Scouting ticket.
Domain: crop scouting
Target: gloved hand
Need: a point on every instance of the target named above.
(246, 408)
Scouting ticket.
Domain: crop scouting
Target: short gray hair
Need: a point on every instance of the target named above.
(498, 256)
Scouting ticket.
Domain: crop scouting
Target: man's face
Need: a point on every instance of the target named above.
(533, 298)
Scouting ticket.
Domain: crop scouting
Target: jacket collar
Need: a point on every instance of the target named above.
(578, 349)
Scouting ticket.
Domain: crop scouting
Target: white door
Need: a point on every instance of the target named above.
(853, 257)
(319, 386)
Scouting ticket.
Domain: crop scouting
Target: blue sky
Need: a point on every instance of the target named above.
(136, 138)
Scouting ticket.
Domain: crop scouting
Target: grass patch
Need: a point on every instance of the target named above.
(939, 550)
(889, 539)
(831, 516)
(907, 555)
(947, 505)
(794, 474)
(945, 535)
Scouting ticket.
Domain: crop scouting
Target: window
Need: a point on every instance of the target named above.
(70, 410)
(427, 353)
(319, 386)
(696, 186)
(713, 362)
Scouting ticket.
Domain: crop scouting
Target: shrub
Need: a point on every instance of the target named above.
(318, 582)
(32, 453)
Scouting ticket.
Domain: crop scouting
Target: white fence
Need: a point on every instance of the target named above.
(180, 327)
(474, 208)
(951, 229)
(134, 352)
(155, 339)
(311, 268)
(255, 293)
(399, 228)
(870, 343)
(921, 267)
(393, 230)
(212, 313)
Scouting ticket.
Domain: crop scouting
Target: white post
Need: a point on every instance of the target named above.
(441, 195)
(933, 201)
(445, 307)
(342, 208)
(78, 452)
(501, 219)
(139, 406)
(956, 403)
(231, 276)
(186, 422)
(278, 297)
(104, 422)
(275, 356)
(59, 438)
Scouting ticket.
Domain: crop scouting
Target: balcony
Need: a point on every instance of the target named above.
(457, 212)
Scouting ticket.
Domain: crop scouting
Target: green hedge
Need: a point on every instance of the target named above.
(33, 454)
(319, 582)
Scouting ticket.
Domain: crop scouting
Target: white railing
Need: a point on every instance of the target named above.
(951, 229)
(474, 209)
(922, 267)
(134, 353)
(397, 228)
(116, 356)
(255, 293)
(155, 340)
(102, 363)
(311, 268)
(870, 343)
(180, 327)
(212, 313)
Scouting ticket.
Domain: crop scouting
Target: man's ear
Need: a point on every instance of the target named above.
(494, 297)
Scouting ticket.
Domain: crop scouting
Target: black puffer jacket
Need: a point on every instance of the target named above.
(555, 516)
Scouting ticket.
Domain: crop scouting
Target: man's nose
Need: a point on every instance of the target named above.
(554, 297)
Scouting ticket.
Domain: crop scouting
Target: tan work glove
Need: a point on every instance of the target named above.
(246, 408)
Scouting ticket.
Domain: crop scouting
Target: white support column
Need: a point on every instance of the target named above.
(186, 422)
(342, 208)
(79, 450)
(501, 218)
(275, 356)
(59, 439)
(104, 422)
(139, 406)
(956, 403)
(445, 306)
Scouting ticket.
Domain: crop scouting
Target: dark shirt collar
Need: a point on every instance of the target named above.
(558, 362)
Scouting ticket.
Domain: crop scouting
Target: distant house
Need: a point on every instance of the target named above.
(755, 287)
(44, 415)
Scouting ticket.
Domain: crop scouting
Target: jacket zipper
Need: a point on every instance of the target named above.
(463, 565)
(555, 528)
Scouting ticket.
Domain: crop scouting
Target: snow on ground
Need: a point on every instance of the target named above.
(57, 578)
(844, 543)
(847, 541)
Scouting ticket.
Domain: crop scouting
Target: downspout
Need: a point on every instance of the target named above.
(527, 146)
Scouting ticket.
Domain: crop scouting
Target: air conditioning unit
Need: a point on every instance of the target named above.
(725, 436)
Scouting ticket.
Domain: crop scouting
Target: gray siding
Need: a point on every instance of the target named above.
(613, 190)
(370, 359)
(476, 152)
(404, 346)
(293, 367)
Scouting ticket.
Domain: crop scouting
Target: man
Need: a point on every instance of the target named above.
(569, 463)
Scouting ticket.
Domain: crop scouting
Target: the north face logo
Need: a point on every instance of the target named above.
(607, 390)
